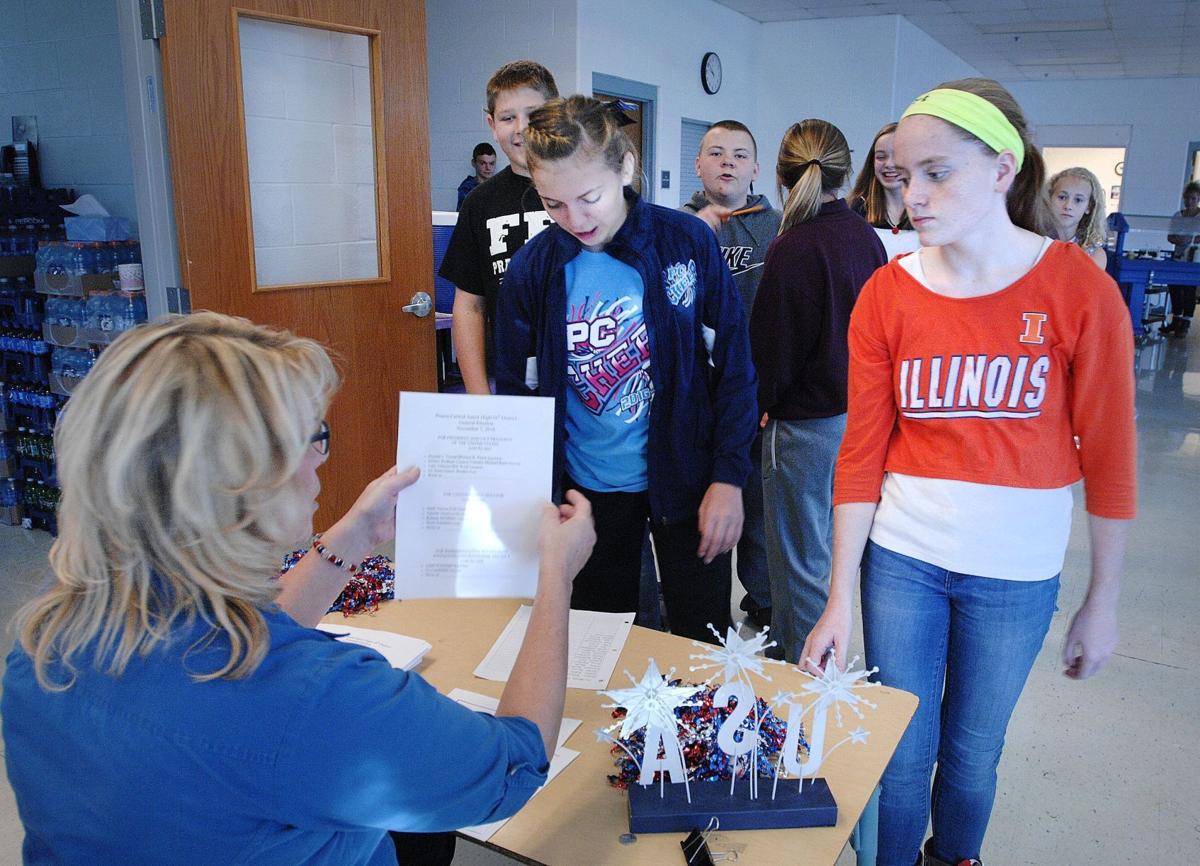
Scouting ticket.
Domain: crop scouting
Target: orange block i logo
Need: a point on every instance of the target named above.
(1033, 328)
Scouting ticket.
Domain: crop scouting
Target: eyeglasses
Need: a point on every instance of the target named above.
(320, 439)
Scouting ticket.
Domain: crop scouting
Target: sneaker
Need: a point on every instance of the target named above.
(929, 860)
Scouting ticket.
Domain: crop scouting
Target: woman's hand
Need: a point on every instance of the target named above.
(720, 520)
(1091, 640)
(371, 520)
(831, 632)
(566, 538)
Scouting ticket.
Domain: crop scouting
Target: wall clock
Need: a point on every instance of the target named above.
(710, 72)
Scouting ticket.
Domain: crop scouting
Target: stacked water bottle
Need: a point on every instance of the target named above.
(94, 293)
(30, 219)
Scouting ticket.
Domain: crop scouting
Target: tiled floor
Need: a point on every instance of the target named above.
(1100, 772)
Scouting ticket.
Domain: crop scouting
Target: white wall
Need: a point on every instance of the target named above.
(857, 73)
(922, 63)
(836, 69)
(61, 62)
(467, 42)
(661, 43)
(1164, 115)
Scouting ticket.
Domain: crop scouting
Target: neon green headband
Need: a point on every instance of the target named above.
(974, 114)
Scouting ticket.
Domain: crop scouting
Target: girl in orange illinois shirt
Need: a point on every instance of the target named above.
(976, 364)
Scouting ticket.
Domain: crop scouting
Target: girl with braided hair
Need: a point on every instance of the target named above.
(626, 314)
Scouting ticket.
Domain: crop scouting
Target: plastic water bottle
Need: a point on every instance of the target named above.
(131, 311)
(98, 314)
(104, 258)
(81, 261)
(8, 493)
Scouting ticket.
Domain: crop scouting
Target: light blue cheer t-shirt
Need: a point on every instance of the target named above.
(609, 390)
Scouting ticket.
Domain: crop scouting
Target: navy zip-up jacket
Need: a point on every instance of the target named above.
(704, 415)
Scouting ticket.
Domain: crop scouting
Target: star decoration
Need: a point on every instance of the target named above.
(859, 735)
(651, 703)
(781, 699)
(840, 687)
(738, 657)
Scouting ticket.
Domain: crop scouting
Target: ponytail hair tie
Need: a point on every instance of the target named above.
(815, 162)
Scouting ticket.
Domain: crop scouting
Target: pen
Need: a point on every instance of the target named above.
(746, 210)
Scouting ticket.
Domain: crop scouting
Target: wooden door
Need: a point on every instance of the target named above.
(243, 262)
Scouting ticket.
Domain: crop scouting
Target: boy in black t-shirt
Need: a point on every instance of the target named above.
(496, 218)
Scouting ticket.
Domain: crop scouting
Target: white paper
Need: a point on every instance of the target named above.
(484, 704)
(594, 644)
(469, 527)
(400, 650)
(86, 205)
(558, 761)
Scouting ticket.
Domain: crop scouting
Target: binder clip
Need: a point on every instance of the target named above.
(695, 847)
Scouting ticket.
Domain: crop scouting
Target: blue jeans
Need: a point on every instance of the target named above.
(797, 466)
(964, 645)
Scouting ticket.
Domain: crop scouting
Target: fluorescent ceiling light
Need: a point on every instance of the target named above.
(1045, 27)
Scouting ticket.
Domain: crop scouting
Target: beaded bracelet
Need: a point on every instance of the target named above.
(332, 558)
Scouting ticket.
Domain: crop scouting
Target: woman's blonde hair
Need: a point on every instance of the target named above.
(870, 191)
(814, 158)
(175, 457)
(561, 127)
(1089, 234)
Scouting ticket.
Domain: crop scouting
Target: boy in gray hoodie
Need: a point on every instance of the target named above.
(727, 165)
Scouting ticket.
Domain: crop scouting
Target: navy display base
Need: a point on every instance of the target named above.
(670, 813)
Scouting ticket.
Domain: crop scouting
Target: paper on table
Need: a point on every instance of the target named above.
(594, 644)
(400, 650)
(558, 762)
(484, 704)
(469, 526)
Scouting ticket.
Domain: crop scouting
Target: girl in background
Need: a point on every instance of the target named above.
(1077, 204)
(1185, 238)
(879, 198)
(626, 314)
(811, 278)
(976, 364)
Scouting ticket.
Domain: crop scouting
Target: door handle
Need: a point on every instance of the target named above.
(421, 306)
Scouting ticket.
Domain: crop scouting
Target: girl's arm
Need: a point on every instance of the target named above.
(1102, 417)
(1092, 637)
(859, 474)
(537, 685)
(516, 338)
(732, 377)
(851, 526)
(734, 403)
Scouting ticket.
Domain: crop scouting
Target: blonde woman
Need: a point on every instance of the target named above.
(1077, 204)
(169, 702)
(811, 278)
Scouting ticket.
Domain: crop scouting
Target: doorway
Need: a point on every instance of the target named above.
(691, 133)
(639, 104)
(1107, 163)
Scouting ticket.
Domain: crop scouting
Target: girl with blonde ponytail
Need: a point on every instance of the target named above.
(811, 278)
